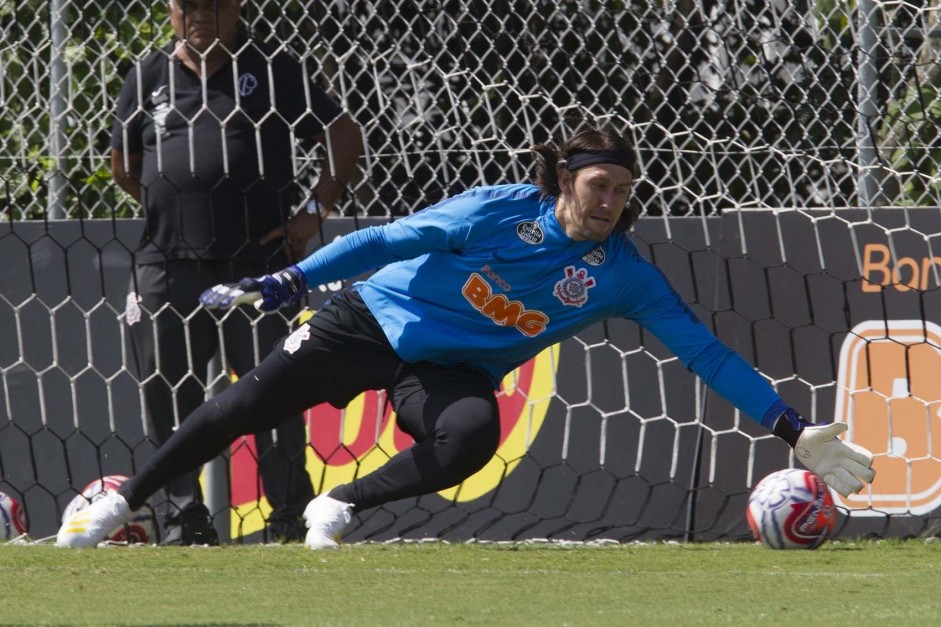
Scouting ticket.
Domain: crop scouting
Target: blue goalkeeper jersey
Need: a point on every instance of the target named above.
(489, 278)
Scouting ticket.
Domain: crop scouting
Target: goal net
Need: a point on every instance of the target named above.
(789, 191)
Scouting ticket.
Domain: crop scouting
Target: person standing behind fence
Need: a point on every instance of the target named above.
(203, 138)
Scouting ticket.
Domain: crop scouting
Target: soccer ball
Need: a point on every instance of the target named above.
(12, 518)
(791, 509)
(139, 530)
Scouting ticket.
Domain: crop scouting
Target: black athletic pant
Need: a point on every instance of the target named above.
(173, 341)
(450, 411)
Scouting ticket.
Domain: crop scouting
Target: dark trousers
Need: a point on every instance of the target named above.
(451, 412)
(173, 340)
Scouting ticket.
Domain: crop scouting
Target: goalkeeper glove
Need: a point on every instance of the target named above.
(844, 466)
(268, 292)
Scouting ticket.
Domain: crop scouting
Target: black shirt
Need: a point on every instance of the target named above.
(217, 170)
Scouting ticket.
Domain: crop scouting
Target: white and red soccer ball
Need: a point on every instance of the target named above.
(139, 530)
(12, 518)
(791, 509)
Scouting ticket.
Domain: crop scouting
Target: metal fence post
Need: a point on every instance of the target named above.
(867, 84)
(58, 105)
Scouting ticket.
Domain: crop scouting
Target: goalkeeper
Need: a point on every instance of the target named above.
(467, 290)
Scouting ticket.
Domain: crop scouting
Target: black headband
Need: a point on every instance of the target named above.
(580, 159)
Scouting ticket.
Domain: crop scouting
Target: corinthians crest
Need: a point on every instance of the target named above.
(573, 289)
(295, 339)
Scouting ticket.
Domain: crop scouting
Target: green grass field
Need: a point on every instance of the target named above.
(867, 583)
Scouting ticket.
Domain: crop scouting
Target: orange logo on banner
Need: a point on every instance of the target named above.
(889, 394)
(357, 440)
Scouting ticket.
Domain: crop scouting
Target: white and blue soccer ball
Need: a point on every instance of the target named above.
(791, 509)
(12, 518)
(139, 530)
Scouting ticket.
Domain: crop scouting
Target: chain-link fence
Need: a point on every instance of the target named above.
(743, 103)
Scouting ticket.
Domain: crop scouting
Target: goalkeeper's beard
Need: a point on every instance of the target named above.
(580, 222)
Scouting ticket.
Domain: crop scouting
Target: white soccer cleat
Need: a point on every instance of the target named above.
(88, 527)
(326, 518)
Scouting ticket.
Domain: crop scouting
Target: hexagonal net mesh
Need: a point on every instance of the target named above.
(789, 191)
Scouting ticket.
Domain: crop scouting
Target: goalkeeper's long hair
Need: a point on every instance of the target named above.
(590, 139)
